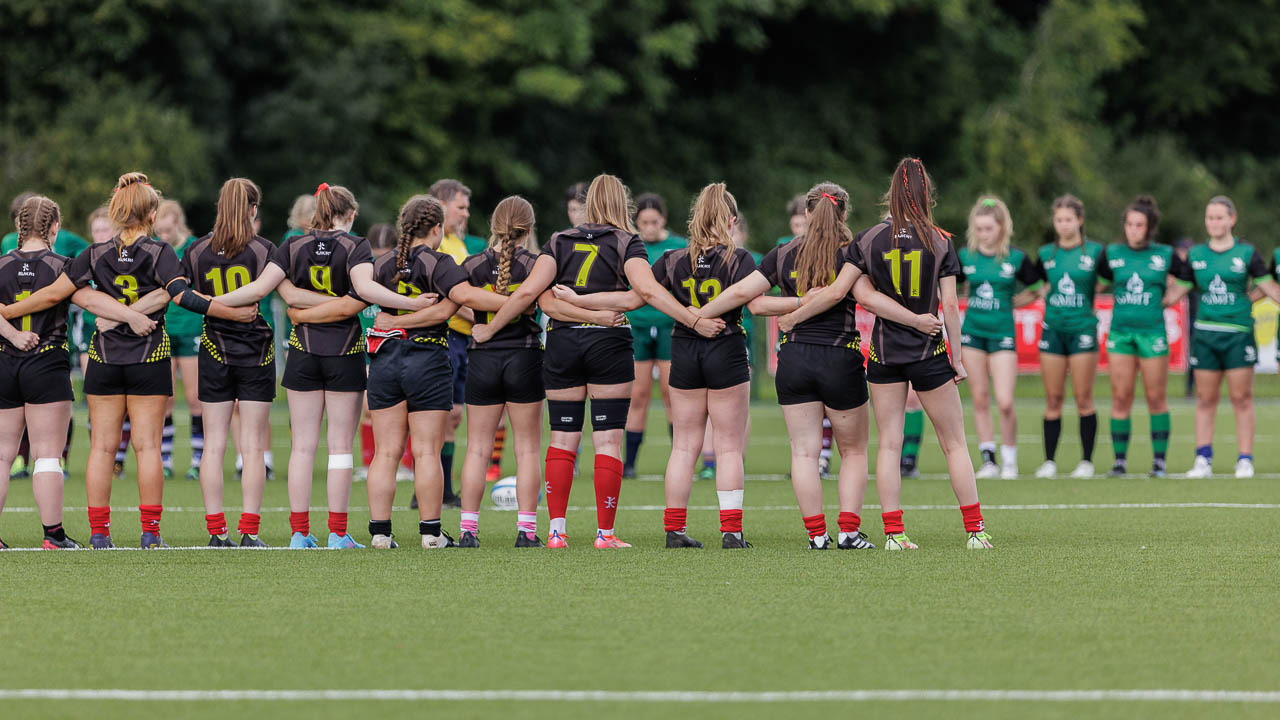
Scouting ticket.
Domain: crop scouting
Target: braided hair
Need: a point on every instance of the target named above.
(512, 222)
(418, 217)
(911, 200)
(36, 218)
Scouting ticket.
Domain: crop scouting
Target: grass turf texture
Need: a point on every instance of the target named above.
(1180, 598)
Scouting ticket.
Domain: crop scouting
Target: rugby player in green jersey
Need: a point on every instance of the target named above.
(1222, 341)
(994, 273)
(1142, 273)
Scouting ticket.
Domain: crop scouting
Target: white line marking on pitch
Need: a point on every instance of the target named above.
(657, 696)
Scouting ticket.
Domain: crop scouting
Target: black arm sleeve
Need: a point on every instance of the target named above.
(187, 298)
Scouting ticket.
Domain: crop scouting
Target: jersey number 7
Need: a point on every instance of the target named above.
(584, 270)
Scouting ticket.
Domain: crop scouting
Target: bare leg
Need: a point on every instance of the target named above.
(482, 422)
(888, 402)
(1240, 387)
(390, 427)
(804, 426)
(306, 413)
(942, 405)
(343, 411)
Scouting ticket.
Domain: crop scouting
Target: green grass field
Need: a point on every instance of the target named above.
(1095, 585)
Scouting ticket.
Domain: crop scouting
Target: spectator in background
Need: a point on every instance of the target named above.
(184, 328)
(796, 218)
(457, 244)
(650, 331)
(575, 201)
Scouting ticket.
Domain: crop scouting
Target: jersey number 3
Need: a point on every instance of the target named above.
(896, 258)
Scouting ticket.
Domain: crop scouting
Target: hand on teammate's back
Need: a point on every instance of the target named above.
(928, 324)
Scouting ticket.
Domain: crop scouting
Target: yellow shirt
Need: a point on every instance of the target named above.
(453, 246)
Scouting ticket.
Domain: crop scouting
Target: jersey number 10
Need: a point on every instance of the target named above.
(895, 258)
(229, 279)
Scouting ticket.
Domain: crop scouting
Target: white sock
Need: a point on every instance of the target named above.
(557, 525)
(605, 531)
(983, 447)
(267, 457)
(1009, 454)
(730, 499)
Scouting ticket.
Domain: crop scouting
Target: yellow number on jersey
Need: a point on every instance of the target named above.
(592, 251)
(408, 290)
(128, 285)
(915, 259)
(709, 287)
(225, 281)
(322, 279)
(26, 319)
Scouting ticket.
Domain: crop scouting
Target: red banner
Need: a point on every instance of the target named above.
(1027, 321)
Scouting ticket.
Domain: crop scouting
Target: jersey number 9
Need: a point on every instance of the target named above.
(322, 279)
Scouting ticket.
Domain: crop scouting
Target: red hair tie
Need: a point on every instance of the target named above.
(322, 188)
(833, 200)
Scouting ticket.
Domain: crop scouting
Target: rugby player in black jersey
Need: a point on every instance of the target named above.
(915, 264)
(582, 358)
(820, 366)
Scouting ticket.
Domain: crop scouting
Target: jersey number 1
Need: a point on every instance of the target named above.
(895, 258)
(26, 319)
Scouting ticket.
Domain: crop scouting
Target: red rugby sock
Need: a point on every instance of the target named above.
(816, 525)
(892, 522)
(559, 480)
(608, 480)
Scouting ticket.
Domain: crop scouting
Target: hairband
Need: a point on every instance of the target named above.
(323, 186)
(833, 200)
(989, 202)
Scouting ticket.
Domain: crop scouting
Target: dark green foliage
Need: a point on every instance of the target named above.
(1102, 98)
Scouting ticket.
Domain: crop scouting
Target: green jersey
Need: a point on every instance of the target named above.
(647, 316)
(66, 243)
(1223, 280)
(993, 281)
(1138, 278)
(1073, 279)
(178, 321)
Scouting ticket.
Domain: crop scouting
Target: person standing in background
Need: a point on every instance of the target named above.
(458, 245)
(650, 331)
(184, 328)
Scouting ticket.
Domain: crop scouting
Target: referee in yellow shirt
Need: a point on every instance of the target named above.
(457, 244)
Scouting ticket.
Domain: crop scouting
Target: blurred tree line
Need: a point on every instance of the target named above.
(1027, 99)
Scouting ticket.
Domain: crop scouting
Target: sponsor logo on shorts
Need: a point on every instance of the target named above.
(1086, 341)
(1250, 354)
(1006, 342)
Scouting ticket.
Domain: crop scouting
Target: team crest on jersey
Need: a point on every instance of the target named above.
(1157, 262)
(1237, 264)
(1115, 262)
(1006, 270)
(970, 269)
(1218, 293)
(1086, 262)
(1199, 265)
